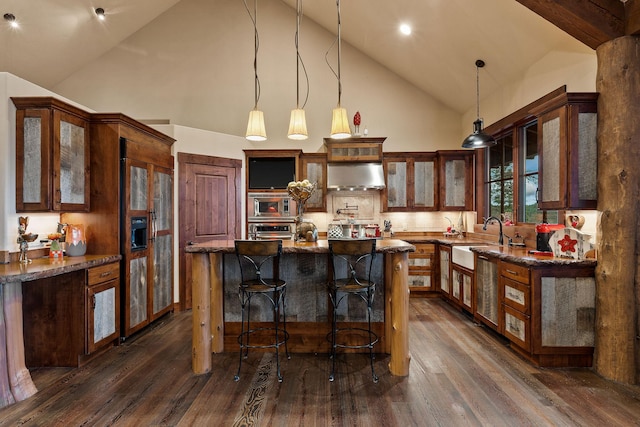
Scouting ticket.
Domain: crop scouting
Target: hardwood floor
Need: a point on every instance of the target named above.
(460, 375)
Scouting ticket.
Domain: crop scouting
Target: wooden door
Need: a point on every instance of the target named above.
(209, 207)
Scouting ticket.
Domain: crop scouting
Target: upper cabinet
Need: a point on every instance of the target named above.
(568, 152)
(456, 180)
(363, 149)
(411, 182)
(52, 156)
(314, 168)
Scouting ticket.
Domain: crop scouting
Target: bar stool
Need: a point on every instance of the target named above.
(351, 262)
(254, 258)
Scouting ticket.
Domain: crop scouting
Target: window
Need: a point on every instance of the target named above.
(499, 185)
(511, 187)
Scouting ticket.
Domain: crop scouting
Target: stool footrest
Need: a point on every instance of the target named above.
(362, 332)
(246, 334)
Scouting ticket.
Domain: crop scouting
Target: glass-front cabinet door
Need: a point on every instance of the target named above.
(52, 156)
(456, 180)
(411, 182)
(314, 168)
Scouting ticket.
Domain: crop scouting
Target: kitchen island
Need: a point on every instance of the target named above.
(304, 265)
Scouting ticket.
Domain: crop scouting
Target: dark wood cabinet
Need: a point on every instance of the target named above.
(568, 152)
(456, 180)
(444, 269)
(52, 156)
(102, 306)
(132, 214)
(365, 149)
(411, 182)
(488, 308)
(422, 269)
(69, 317)
(313, 167)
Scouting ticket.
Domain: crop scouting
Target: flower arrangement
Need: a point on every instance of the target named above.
(300, 191)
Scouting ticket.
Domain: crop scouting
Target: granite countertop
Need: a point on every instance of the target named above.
(492, 249)
(40, 268)
(523, 257)
(289, 246)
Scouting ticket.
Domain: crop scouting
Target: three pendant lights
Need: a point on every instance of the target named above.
(297, 125)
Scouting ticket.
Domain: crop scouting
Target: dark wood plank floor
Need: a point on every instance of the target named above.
(460, 375)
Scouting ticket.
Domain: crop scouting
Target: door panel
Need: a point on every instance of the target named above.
(209, 207)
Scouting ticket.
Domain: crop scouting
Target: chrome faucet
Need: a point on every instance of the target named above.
(500, 236)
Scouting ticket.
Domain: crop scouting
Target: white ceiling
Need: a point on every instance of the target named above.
(59, 37)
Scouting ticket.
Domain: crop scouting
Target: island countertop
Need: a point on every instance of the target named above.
(289, 246)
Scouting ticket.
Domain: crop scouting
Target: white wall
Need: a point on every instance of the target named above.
(193, 66)
(576, 70)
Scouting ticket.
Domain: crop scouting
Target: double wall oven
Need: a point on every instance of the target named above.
(270, 216)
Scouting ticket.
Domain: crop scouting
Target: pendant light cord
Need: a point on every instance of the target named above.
(299, 61)
(479, 64)
(256, 41)
(477, 91)
(337, 40)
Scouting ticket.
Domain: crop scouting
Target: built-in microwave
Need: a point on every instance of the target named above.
(271, 206)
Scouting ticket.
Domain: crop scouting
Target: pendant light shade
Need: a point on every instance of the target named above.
(255, 127)
(478, 139)
(298, 125)
(298, 121)
(339, 122)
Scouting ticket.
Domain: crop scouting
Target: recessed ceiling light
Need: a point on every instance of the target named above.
(100, 13)
(405, 29)
(11, 19)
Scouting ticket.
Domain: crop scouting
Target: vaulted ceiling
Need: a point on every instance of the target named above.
(58, 37)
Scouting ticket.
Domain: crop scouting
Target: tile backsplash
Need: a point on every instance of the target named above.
(365, 207)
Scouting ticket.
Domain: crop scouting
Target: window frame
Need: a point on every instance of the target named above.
(512, 124)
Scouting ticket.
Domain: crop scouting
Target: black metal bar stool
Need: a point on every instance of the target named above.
(351, 263)
(259, 275)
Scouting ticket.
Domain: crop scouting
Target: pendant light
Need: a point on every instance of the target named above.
(255, 127)
(339, 121)
(478, 139)
(298, 122)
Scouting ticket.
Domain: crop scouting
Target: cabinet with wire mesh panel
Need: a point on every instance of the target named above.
(568, 152)
(52, 156)
(365, 149)
(411, 182)
(422, 269)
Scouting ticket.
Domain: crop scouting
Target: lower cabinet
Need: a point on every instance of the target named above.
(422, 269)
(69, 317)
(487, 305)
(103, 306)
(444, 255)
(461, 287)
(549, 312)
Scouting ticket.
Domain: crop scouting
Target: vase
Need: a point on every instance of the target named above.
(76, 243)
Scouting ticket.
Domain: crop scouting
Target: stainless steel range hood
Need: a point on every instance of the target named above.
(355, 176)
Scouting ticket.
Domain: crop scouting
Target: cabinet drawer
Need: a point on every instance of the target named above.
(515, 272)
(420, 281)
(103, 273)
(420, 263)
(423, 249)
(517, 327)
(516, 295)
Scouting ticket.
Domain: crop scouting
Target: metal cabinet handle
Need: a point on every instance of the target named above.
(515, 273)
